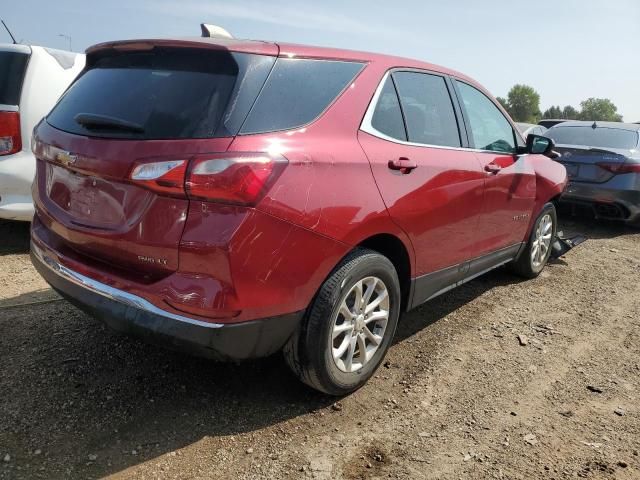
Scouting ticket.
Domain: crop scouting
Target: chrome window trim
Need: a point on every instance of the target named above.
(110, 292)
(367, 127)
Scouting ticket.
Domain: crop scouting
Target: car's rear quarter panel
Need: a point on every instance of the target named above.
(551, 180)
(328, 186)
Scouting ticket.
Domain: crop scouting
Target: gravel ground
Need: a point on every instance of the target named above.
(499, 378)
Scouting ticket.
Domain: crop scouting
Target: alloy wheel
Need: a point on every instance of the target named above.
(359, 326)
(542, 240)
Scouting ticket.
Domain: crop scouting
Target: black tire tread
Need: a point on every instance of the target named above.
(319, 310)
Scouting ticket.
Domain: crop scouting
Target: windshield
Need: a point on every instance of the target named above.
(12, 68)
(599, 137)
(163, 94)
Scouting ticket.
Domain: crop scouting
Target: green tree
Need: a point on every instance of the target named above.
(504, 103)
(601, 109)
(524, 104)
(570, 113)
(552, 112)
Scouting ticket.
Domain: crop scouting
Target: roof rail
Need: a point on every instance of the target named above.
(209, 30)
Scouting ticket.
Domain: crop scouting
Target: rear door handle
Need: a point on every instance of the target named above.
(492, 168)
(403, 164)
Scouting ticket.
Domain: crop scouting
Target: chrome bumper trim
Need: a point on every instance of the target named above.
(112, 293)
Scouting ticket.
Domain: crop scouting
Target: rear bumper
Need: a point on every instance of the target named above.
(16, 207)
(16, 176)
(134, 315)
(625, 202)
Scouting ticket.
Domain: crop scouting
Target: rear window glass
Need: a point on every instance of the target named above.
(12, 68)
(163, 94)
(599, 137)
(297, 91)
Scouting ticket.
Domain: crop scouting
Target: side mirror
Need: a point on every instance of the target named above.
(539, 145)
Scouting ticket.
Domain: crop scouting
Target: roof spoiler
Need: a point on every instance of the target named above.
(209, 30)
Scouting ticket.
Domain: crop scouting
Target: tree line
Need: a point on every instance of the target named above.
(523, 104)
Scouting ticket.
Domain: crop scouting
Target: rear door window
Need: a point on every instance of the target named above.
(12, 69)
(427, 108)
(165, 93)
(387, 116)
(599, 137)
(297, 92)
(490, 130)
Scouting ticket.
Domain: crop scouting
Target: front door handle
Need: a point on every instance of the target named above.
(403, 164)
(492, 168)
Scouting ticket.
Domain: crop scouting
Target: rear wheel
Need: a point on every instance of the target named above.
(538, 249)
(349, 326)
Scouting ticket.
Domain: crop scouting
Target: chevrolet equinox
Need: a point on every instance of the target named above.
(236, 198)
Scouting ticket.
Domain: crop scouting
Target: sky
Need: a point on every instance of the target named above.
(567, 50)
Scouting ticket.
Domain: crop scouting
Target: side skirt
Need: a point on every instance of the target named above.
(431, 285)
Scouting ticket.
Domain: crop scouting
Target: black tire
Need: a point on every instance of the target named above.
(634, 224)
(524, 265)
(309, 352)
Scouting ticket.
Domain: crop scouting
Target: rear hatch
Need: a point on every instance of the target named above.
(593, 155)
(13, 66)
(113, 153)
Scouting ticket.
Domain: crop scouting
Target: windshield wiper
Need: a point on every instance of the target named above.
(92, 121)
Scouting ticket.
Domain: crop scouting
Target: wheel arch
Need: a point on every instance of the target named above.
(397, 252)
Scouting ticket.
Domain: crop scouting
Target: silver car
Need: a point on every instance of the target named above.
(527, 128)
(603, 164)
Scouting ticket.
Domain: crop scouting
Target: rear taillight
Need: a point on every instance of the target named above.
(10, 138)
(163, 177)
(234, 178)
(619, 168)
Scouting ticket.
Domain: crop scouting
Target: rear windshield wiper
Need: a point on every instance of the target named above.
(93, 121)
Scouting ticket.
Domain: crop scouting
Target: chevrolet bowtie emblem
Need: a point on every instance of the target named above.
(66, 158)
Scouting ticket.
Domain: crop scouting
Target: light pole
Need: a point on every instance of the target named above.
(68, 37)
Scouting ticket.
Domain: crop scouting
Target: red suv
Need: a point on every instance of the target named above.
(236, 198)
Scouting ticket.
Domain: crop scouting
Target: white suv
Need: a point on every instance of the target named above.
(31, 81)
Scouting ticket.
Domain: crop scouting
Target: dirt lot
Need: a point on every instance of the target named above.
(459, 395)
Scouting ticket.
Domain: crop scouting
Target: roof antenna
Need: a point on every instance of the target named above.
(9, 32)
(595, 125)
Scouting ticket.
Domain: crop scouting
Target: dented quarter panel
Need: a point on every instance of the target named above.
(238, 263)
(551, 180)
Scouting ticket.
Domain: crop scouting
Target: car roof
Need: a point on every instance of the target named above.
(19, 47)
(14, 47)
(619, 125)
(527, 125)
(284, 49)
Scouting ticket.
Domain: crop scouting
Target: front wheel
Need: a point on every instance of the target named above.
(538, 249)
(349, 327)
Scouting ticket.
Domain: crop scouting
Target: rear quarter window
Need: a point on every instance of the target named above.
(12, 69)
(297, 92)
